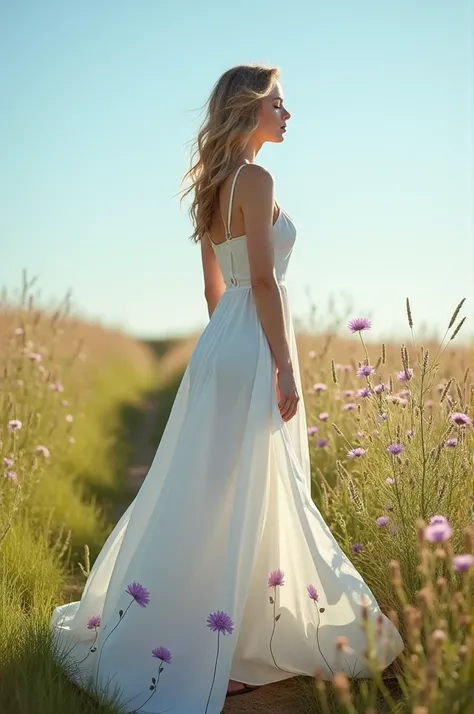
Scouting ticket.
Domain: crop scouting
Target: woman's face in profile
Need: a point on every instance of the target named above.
(272, 116)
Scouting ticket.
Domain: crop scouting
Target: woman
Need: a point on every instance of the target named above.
(222, 575)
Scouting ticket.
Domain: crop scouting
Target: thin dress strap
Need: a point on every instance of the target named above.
(228, 235)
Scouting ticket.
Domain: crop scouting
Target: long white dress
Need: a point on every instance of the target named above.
(225, 503)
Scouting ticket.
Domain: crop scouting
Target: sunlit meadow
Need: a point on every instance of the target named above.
(391, 443)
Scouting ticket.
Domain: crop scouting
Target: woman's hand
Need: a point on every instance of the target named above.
(287, 394)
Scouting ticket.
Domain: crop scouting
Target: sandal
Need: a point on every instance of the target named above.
(246, 689)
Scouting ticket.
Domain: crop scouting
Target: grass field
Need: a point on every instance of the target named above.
(388, 456)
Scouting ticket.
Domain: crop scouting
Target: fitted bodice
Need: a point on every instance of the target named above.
(232, 254)
(233, 258)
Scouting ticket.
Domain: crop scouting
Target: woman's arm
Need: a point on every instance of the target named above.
(214, 284)
(256, 198)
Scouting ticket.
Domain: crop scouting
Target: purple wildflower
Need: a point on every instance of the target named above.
(56, 387)
(350, 407)
(348, 393)
(405, 375)
(8, 462)
(43, 450)
(313, 593)
(460, 419)
(404, 393)
(162, 653)
(19, 331)
(357, 548)
(35, 357)
(360, 435)
(11, 476)
(358, 324)
(365, 392)
(429, 403)
(312, 430)
(356, 453)
(463, 563)
(139, 594)
(347, 368)
(382, 521)
(220, 622)
(319, 387)
(395, 449)
(451, 442)
(324, 416)
(93, 622)
(393, 530)
(389, 507)
(390, 480)
(276, 577)
(382, 417)
(14, 424)
(322, 443)
(410, 433)
(365, 370)
(380, 388)
(438, 532)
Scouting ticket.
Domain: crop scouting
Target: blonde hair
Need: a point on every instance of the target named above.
(231, 117)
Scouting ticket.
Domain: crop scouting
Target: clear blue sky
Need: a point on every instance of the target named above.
(99, 99)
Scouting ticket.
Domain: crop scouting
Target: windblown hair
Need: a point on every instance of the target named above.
(231, 117)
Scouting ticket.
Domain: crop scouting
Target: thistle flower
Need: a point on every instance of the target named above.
(358, 324)
(395, 449)
(365, 370)
(405, 375)
(460, 419)
(380, 388)
(43, 450)
(364, 392)
(463, 563)
(357, 548)
(14, 424)
(322, 443)
(451, 442)
(356, 453)
(438, 532)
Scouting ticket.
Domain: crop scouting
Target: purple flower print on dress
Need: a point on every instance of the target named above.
(223, 624)
(141, 596)
(314, 596)
(164, 655)
(276, 579)
(358, 324)
(93, 623)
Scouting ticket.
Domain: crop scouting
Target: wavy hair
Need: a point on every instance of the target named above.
(231, 117)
